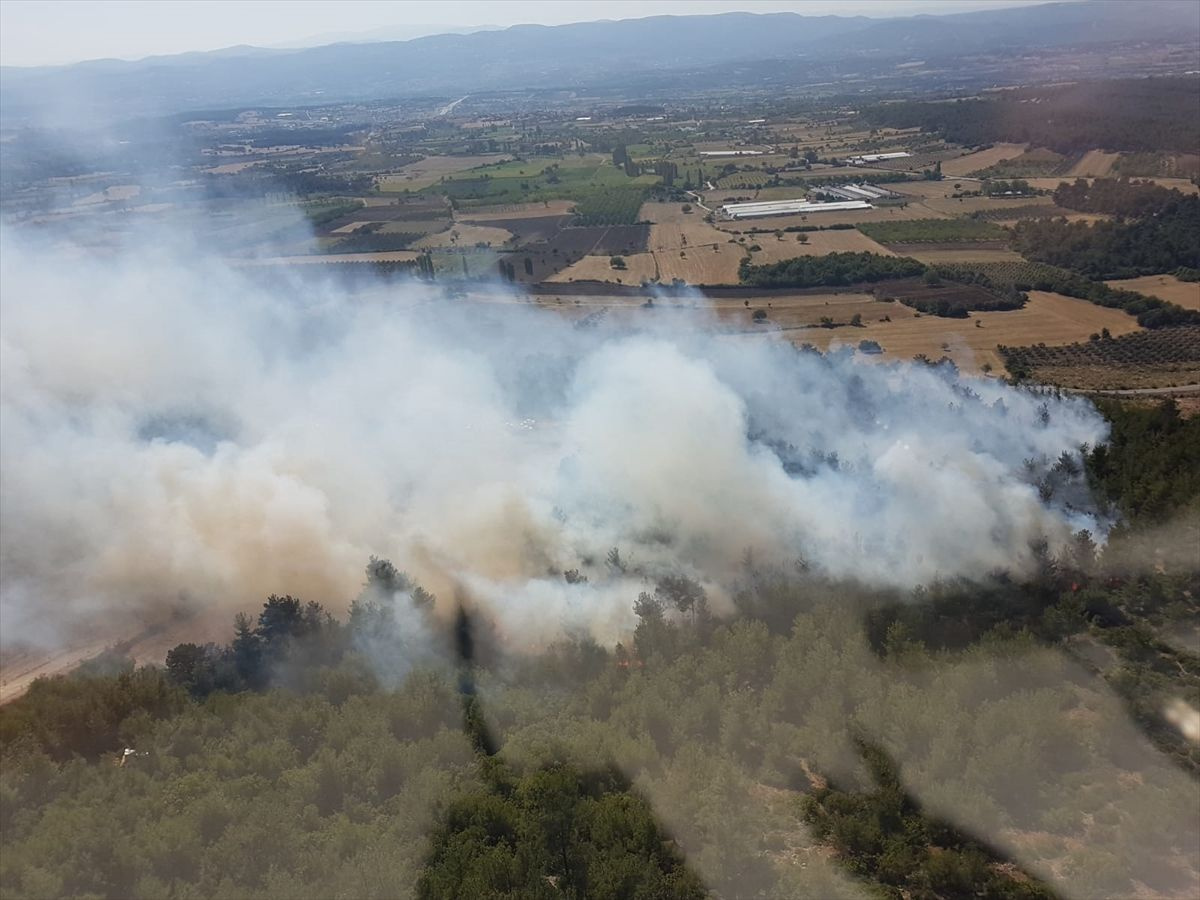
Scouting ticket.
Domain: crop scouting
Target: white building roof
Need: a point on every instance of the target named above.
(787, 208)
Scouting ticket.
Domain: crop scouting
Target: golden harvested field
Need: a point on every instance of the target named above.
(1095, 164)
(819, 243)
(516, 211)
(1164, 287)
(804, 313)
(924, 190)
(639, 267)
(430, 170)
(973, 162)
(710, 264)
(464, 235)
(1047, 318)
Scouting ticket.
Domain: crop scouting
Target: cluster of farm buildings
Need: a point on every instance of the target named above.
(850, 196)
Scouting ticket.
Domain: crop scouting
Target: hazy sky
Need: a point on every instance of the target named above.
(44, 32)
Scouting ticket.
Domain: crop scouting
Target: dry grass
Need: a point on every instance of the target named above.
(516, 211)
(684, 246)
(818, 244)
(804, 313)
(430, 170)
(711, 264)
(463, 235)
(973, 162)
(1095, 164)
(1046, 318)
(1164, 287)
(639, 267)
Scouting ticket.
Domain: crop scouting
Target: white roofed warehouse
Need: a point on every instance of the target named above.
(787, 208)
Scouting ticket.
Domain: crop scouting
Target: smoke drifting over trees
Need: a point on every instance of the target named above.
(178, 433)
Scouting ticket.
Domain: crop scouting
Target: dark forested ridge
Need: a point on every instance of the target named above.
(308, 758)
(1157, 114)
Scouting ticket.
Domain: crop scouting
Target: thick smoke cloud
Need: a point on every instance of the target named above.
(180, 434)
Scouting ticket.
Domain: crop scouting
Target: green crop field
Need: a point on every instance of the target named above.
(603, 193)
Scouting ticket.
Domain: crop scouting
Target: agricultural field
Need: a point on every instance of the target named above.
(992, 207)
(1163, 357)
(1164, 287)
(517, 211)
(812, 243)
(1033, 162)
(804, 312)
(963, 252)
(570, 245)
(430, 170)
(639, 267)
(932, 231)
(328, 258)
(465, 235)
(602, 193)
(1170, 165)
(981, 159)
(1047, 318)
(1094, 164)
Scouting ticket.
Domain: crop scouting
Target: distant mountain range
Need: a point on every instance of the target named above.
(565, 56)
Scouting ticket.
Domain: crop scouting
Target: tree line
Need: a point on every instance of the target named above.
(1151, 114)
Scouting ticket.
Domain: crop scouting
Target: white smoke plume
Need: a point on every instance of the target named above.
(180, 433)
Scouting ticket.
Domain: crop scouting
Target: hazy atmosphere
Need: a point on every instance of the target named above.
(132, 29)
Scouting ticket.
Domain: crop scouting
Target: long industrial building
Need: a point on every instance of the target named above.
(876, 157)
(866, 192)
(787, 208)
